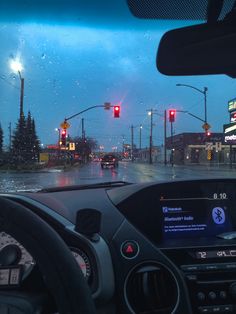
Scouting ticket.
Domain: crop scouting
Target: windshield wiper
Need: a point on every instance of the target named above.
(109, 184)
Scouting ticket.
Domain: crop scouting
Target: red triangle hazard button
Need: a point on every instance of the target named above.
(130, 249)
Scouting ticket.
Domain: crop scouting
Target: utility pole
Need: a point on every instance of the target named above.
(10, 136)
(165, 131)
(132, 143)
(83, 132)
(150, 144)
(205, 103)
(22, 86)
(83, 141)
(123, 146)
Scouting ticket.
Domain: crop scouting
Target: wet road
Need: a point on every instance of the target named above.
(92, 173)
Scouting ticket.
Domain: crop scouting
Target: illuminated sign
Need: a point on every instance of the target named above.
(232, 105)
(230, 133)
(228, 128)
(233, 116)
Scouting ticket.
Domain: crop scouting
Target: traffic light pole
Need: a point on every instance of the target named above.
(165, 133)
(132, 143)
(172, 148)
(150, 146)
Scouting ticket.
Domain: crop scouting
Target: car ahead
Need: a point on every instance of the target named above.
(109, 160)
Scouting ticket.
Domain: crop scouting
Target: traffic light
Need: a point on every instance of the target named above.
(208, 133)
(116, 111)
(209, 155)
(172, 114)
(63, 137)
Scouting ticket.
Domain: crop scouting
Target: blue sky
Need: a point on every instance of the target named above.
(71, 66)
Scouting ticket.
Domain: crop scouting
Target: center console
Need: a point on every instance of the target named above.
(210, 274)
(194, 225)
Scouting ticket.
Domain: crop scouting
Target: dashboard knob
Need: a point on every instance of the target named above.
(232, 290)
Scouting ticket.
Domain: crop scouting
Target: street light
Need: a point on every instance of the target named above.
(204, 92)
(59, 136)
(150, 113)
(140, 136)
(17, 67)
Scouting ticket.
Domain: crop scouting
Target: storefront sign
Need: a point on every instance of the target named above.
(230, 133)
(232, 105)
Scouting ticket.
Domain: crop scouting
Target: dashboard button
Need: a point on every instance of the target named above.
(227, 308)
(230, 266)
(191, 267)
(211, 267)
(129, 249)
(212, 295)
(191, 277)
(205, 309)
(216, 309)
(201, 296)
(223, 295)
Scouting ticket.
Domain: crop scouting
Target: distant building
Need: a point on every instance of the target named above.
(197, 148)
(144, 154)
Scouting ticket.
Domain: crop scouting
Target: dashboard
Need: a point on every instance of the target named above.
(143, 248)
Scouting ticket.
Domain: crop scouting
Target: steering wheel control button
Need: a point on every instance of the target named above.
(201, 296)
(129, 249)
(212, 295)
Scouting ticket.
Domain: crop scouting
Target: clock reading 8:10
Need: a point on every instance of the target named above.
(221, 196)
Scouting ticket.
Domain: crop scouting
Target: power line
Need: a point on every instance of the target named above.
(7, 82)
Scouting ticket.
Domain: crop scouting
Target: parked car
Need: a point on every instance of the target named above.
(109, 160)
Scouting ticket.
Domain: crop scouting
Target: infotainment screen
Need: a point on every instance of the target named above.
(194, 217)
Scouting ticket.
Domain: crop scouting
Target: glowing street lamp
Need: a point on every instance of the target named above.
(16, 66)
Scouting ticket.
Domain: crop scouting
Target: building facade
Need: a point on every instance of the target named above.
(197, 148)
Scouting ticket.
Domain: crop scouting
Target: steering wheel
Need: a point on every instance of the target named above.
(58, 267)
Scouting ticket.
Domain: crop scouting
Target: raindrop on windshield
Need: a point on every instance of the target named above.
(43, 56)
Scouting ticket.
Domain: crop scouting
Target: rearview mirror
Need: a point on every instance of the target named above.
(199, 50)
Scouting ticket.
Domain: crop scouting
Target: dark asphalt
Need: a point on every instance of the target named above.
(92, 173)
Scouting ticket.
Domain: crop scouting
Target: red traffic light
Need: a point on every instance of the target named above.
(208, 133)
(63, 137)
(172, 114)
(116, 111)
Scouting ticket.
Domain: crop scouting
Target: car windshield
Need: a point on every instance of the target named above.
(80, 86)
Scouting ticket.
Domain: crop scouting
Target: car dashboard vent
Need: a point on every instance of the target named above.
(151, 289)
